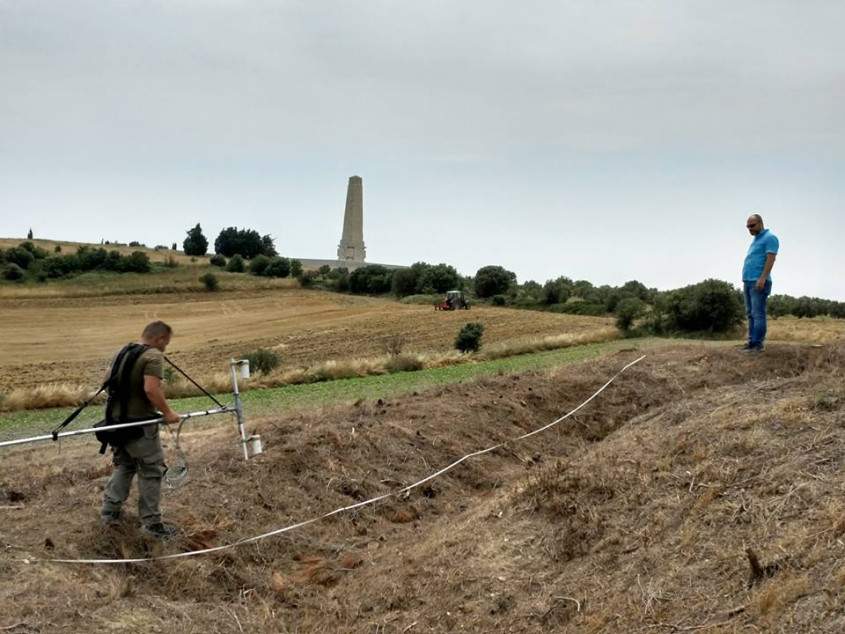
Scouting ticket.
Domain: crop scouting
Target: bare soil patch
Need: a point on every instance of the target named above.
(633, 516)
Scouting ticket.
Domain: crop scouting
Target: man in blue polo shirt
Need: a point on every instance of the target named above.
(757, 280)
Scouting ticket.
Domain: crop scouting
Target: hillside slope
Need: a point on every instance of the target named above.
(634, 515)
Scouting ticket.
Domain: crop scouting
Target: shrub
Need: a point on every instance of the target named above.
(57, 248)
(339, 279)
(711, 306)
(627, 310)
(499, 300)
(218, 260)
(37, 253)
(278, 267)
(137, 262)
(236, 264)
(262, 360)
(307, 278)
(13, 272)
(259, 264)
(210, 282)
(135, 243)
(170, 262)
(579, 308)
(295, 268)
(19, 256)
(469, 337)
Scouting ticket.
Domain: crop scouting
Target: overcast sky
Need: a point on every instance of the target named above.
(602, 140)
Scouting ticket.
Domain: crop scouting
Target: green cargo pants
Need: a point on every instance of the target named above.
(144, 456)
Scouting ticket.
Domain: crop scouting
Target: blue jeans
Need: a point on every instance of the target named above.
(755, 310)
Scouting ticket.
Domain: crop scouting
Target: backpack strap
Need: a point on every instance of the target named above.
(119, 380)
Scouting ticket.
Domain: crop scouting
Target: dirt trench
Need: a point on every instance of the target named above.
(429, 555)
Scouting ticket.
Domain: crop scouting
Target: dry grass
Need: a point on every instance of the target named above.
(632, 516)
(65, 344)
(67, 395)
(816, 330)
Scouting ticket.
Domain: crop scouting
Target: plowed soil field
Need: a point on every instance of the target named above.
(70, 340)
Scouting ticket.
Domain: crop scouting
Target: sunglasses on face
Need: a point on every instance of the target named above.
(752, 225)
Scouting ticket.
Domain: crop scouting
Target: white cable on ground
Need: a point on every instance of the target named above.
(279, 531)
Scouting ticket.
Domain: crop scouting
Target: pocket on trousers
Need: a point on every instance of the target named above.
(152, 467)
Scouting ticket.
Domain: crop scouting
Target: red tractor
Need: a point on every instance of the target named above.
(454, 300)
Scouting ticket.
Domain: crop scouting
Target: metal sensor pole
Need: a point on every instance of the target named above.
(243, 366)
(93, 430)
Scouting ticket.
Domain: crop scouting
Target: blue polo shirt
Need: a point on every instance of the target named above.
(763, 243)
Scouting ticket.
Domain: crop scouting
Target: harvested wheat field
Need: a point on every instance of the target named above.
(641, 513)
(69, 341)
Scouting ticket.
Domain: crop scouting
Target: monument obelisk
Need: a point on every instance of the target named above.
(351, 247)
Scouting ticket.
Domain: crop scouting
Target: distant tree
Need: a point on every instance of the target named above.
(373, 279)
(29, 234)
(493, 280)
(267, 246)
(440, 278)
(584, 290)
(245, 242)
(339, 279)
(217, 260)
(627, 310)
(404, 282)
(710, 306)
(196, 243)
(557, 291)
(636, 289)
(172, 247)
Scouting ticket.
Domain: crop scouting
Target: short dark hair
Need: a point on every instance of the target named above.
(156, 329)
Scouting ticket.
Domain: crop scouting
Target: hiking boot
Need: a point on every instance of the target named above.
(745, 346)
(110, 518)
(159, 529)
(755, 349)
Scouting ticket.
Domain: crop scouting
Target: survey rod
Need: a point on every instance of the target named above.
(226, 409)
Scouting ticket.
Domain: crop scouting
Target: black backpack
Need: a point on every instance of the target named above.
(118, 386)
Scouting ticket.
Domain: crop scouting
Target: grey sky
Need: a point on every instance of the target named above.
(605, 141)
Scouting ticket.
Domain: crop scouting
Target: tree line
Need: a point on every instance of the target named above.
(709, 306)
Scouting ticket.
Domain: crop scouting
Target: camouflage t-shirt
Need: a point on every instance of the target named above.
(139, 407)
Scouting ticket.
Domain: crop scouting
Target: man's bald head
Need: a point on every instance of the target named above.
(754, 224)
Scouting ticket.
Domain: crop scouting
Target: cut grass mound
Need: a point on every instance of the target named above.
(636, 514)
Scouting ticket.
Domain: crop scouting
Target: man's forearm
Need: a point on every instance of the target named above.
(767, 268)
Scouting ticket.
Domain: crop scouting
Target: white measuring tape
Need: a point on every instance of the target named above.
(279, 531)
